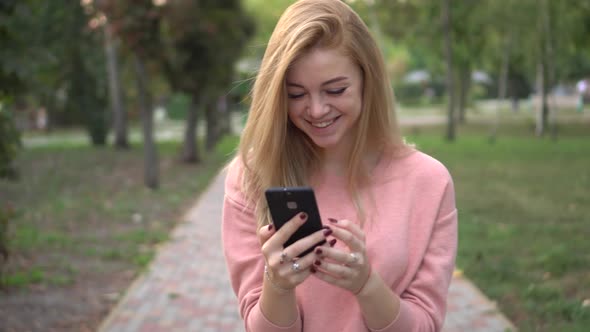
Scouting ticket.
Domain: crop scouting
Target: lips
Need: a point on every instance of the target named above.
(323, 124)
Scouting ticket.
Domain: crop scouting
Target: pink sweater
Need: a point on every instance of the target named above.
(411, 240)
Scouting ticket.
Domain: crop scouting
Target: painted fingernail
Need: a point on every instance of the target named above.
(318, 251)
(332, 243)
(327, 231)
(303, 215)
(270, 227)
(332, 220)
(312, 269)
(317, 262)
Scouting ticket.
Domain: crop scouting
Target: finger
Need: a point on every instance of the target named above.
(296, 271)
(316, 239)
(288, 229)
(337, 271)
(354, 243)
(265, 232)
(354, 228)
(329, 278)
(340, 256)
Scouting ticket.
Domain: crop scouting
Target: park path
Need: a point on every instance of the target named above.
(186, 288)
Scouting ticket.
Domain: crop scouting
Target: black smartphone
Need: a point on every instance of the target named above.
(285, 202)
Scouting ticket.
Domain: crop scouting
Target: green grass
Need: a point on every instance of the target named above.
(524, 214)
(524, 219)
(84, 211)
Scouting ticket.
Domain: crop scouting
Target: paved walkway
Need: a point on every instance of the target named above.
(187, 289)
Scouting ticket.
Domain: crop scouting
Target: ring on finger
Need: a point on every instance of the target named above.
(295, 267)
(283, 257)
(354, 257)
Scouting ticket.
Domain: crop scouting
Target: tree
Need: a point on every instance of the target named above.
(137, 22)
(446, 27)
(56, 56)
(411, 22)
(115, 89)
(206, 38)
(10, 84)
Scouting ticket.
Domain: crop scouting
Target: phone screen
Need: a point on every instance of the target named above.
(286, 202)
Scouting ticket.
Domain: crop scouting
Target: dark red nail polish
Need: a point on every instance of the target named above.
(317, 262)
(333, 242)
(327, 231)
(312, 269)
(270, 227)
(318, 251)
(303, 215)
(332, 220)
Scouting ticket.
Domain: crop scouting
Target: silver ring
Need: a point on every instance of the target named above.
(295, 267)
(355, 257)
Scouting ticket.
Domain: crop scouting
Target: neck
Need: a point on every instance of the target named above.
(335, 161)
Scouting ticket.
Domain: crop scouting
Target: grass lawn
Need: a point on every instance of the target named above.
(524, 219)
(85, 225)
(84, 218)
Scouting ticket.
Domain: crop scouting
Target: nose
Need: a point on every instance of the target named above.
(317, 108)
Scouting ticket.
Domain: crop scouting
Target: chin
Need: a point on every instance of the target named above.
(324, 143)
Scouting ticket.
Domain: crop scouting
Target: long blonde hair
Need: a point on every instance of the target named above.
(273, 151)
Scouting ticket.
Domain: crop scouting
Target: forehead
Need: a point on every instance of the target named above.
(320, 64)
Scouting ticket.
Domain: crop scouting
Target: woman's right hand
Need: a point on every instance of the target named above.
(283, 269)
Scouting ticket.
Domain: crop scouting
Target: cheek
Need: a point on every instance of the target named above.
(351, 105)
(294, 110)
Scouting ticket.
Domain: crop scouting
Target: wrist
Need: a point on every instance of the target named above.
(364, 284)
(276, 287)
(371, 285)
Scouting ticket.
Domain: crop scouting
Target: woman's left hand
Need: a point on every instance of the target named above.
(349, 269)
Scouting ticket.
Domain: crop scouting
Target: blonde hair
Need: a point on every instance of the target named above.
(274, 152)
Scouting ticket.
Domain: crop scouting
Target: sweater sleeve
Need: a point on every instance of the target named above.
(423, 303)
(243, 257)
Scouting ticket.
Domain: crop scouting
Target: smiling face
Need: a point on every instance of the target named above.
(325, 97)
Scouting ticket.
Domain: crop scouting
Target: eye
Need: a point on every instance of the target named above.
(336, 91)
(295, 95)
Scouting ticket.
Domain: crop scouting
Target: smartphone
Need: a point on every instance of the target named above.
(286, 202)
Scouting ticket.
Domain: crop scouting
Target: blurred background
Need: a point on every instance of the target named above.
(115, 114)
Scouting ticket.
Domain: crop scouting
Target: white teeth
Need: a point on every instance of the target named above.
(322, 124)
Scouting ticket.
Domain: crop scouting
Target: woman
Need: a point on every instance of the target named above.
(322, 116)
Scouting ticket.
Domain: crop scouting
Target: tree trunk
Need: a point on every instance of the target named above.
(224, 116)
(446, 22)
(147, 118)
(115, 92)
(211, 113)
(543, 107)
(190, 149)
(502, 84)
(542, 71)
(464, 87)
(550, 68)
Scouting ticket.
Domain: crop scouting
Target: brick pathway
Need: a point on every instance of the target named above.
(186, 287)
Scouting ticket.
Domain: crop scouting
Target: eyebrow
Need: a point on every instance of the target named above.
(333, 80)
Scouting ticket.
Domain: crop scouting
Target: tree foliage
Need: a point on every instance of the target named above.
(137, 23)
(10, 83)
(520, 35)
(51, 54)
(205, 39)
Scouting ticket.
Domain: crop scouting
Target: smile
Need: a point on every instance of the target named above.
(323, 124)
